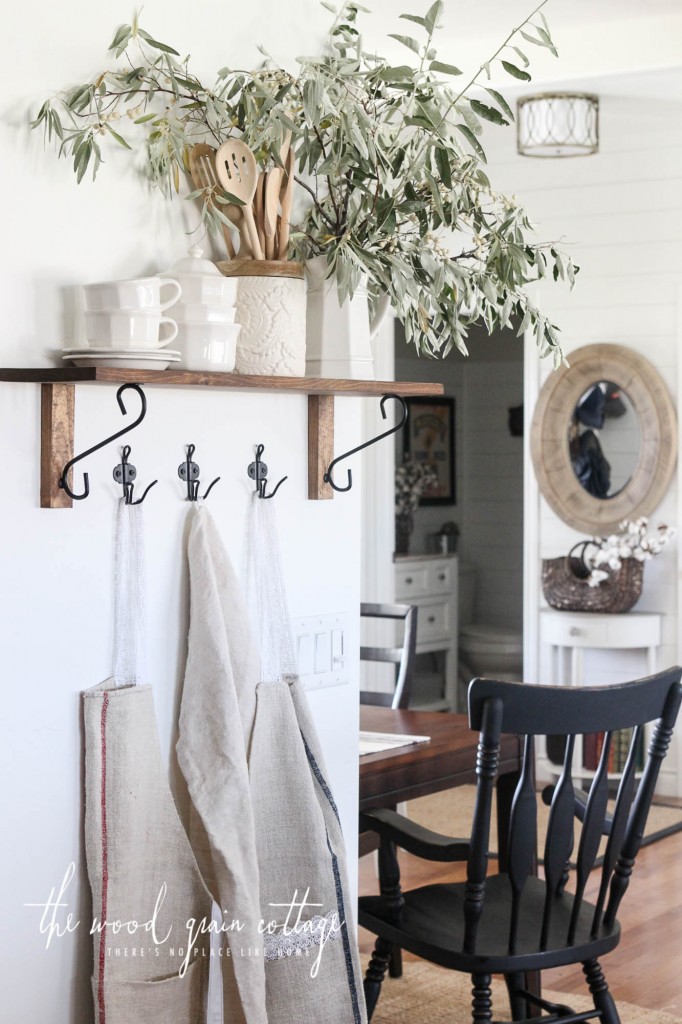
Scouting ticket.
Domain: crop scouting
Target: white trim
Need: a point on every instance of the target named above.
(531, 518)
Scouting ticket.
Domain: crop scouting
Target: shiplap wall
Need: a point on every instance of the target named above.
(621, 212)
(489, 468)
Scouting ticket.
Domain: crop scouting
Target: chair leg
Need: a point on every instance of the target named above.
(395, 967)
(389, 887)
(376, 971)
(603, 1000)
(518, 1003)
(482, 1002)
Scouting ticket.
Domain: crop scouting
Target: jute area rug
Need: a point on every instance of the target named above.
(431, 995)
(451, 812)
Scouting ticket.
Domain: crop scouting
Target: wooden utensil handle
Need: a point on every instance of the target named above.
(253, 234)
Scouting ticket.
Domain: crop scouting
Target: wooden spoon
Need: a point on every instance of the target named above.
(272, 186)
(285, 197)
(202, 169)
(238, 174)
(258, 208)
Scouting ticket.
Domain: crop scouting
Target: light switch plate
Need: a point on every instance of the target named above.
(320, 642)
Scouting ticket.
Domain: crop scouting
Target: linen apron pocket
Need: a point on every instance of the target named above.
(171, 998)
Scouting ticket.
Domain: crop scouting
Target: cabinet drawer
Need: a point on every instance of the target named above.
(582, 629)
(440, 578)
(434, 621)
(411, 582)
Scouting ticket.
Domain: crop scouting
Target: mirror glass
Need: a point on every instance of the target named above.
(604, 439)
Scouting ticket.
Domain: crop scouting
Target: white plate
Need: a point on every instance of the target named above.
(155, 361)
(159, 353)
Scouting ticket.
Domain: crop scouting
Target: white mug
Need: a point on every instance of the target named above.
(140, 293)
(119, 329)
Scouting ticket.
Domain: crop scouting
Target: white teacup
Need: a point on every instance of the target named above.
(118, 329)
(140, 293)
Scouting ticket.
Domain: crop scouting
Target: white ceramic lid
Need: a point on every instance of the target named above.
(192, 264)
(489, 635)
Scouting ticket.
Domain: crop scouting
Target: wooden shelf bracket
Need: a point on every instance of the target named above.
(58, 411)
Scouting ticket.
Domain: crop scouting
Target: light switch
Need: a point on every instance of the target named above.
(323, 652)
(305, 655)
(337, 647)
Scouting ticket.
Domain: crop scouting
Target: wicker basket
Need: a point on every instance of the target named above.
(565, 586)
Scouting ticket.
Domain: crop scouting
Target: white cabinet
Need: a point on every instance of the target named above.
(430, 582)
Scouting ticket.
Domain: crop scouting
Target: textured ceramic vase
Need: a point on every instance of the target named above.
(338, 337)
(271, 308)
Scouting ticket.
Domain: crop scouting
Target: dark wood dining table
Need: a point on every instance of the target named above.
(447, 760)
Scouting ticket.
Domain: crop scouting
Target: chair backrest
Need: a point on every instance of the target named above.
(529, 711)
(403, 657)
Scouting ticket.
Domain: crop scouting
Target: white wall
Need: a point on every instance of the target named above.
(619, 213)
(56, 566)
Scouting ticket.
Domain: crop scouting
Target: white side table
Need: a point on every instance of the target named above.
(570, 633)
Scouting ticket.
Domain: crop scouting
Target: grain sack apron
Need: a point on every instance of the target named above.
(268, 827)
(149, 968)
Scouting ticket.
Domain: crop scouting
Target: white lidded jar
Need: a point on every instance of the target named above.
(271, 308)
(205, 315)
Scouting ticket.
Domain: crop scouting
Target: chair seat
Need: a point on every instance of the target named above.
(432, 926)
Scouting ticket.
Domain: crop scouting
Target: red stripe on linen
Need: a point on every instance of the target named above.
(105, 863)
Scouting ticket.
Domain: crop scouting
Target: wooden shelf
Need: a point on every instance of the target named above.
(58, 410)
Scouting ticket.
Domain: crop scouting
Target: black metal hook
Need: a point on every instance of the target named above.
(189, 472)
(258, 471)
(63, 482)
(125, 474)
(394, 430)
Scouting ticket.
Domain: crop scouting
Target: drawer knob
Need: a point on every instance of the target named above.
(431, 618)
(574, 631)
(408, 579)
(442, 576)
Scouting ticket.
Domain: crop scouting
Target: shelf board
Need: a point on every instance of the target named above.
(233, 381)
(58, 410)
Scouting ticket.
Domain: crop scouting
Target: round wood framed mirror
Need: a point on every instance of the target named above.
(604, 438)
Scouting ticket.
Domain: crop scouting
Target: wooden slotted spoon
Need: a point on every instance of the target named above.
(238, 174)
(202, 169)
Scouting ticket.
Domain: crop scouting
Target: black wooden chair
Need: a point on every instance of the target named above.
(402, 657)
(515, 922)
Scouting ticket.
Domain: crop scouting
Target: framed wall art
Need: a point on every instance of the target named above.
(429, 438)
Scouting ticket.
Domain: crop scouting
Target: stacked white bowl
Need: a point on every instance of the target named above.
(207, 332)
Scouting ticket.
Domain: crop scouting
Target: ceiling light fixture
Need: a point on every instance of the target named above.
(557, 124)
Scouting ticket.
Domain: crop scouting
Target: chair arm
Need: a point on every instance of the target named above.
(414, 838)
(579, 808)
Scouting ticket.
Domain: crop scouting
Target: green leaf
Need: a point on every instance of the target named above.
(407, 41)
(119, 138)
(156, 44)
(521, 55)
(432, 15)
(123, 32)
(489, 113)
(443, 165)
(446, 69)
(415, 18)
(473, 142)
(402, 73)
(531, 39)
(501, 102)
(145, 117)
(515, 72)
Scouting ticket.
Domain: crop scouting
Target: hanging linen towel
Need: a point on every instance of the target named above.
(216, 719)
(312, 966)
(140, 864)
